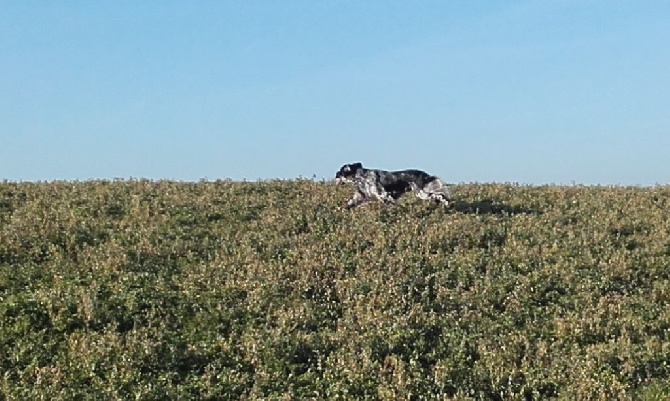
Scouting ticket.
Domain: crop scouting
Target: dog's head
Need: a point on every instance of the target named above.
(347, 173)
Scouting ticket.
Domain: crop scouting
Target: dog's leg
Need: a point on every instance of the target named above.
(436, 197)
(386, 198)
(437, 191)
(445, 195)
(441, 199)
(377, 190)
(356, 200)
(423, 195)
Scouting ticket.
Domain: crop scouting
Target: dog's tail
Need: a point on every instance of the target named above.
(447, 192)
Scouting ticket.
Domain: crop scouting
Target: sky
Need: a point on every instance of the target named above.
(530, 92)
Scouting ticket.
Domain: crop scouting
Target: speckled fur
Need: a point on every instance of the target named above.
(388, 186)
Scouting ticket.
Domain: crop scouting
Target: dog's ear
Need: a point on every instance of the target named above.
(348, 168)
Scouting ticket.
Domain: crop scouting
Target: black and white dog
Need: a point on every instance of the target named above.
(388, 186)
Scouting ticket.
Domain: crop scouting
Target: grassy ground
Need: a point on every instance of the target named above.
(220, 290)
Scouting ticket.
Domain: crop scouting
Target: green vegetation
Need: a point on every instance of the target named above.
(222, 290)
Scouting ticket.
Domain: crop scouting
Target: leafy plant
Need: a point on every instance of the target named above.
(229, 290)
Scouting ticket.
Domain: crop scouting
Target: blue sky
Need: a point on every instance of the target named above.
(535, 92)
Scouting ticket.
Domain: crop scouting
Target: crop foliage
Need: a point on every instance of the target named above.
(150, 290)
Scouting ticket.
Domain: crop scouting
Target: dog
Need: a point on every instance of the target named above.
(388, 186)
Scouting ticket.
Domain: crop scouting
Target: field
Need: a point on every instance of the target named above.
(155, 290)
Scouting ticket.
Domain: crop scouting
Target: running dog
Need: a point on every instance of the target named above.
(388, 186)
